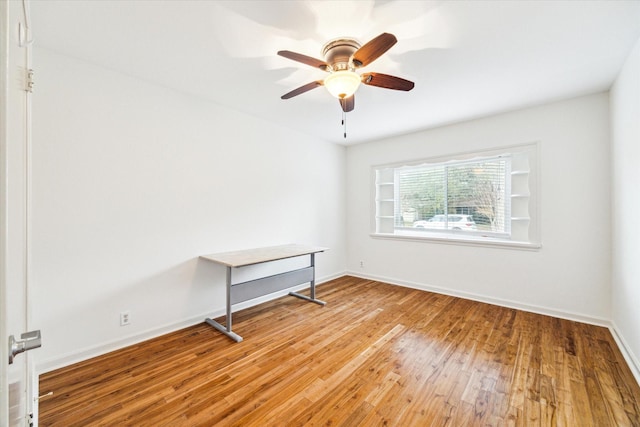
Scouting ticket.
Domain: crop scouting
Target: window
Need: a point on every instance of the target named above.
(476, 197)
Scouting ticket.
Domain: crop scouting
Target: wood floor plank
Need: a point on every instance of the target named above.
(375, 355)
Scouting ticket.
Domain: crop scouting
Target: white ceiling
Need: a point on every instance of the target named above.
(467, 58)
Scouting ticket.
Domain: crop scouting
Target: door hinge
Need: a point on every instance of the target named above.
(28, 81)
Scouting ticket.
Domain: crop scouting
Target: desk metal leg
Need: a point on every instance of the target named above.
(313, 285)
(226, 330)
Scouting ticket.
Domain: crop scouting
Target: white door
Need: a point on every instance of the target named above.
(16, 386)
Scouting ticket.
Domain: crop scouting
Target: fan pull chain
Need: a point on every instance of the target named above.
(344, 123)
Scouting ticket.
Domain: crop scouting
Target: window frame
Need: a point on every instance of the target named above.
(529, 151)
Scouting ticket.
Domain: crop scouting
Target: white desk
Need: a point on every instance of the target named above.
(238, 292)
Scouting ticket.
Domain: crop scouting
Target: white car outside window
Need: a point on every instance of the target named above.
(451, 222)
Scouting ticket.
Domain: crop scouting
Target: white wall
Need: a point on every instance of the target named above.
(569, 276)
(132, 182)
(625, 143)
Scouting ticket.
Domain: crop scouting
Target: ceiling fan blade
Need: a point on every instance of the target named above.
(386, 81)
(302, 89)
(348, 104)
(316, 63)
(373, 49)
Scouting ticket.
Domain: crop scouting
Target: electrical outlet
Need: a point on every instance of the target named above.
(361, 264)
(125, 318)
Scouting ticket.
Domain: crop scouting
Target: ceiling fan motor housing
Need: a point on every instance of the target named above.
(337, 53)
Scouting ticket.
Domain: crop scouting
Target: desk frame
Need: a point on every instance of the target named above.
(243, 291)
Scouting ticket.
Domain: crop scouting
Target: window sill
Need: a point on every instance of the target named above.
(461, 240)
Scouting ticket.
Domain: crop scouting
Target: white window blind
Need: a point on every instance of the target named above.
(473, 196)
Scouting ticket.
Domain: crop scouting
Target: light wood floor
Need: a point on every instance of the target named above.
(375, 355)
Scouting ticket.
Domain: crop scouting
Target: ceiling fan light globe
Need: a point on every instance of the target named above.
(342, 84)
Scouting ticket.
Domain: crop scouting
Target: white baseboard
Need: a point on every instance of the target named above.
(86, 353)
(631, 359)
(80, 355)
(598, 321)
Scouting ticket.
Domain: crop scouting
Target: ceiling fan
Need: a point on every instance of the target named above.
(341, 58)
